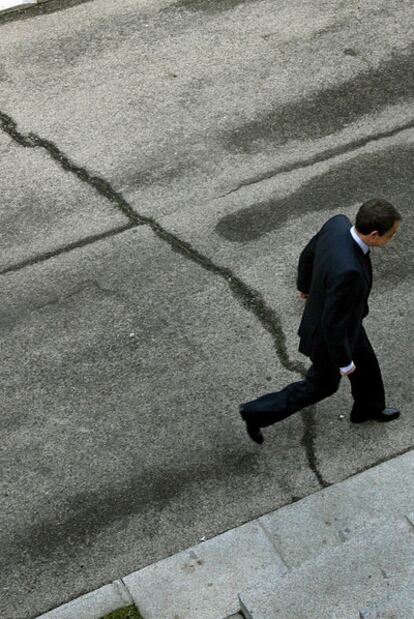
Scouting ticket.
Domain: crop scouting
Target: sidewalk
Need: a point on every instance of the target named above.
(359, 534)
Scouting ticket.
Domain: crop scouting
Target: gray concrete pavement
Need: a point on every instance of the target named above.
(43, 208)
(343, 552)
(223, 134)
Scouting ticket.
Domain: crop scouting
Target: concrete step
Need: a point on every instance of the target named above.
(350, 508)
(370, 575)
(204, 581)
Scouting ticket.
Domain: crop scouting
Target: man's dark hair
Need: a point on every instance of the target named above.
(377, 215)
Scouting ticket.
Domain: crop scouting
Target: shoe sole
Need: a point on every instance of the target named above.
(380, 419)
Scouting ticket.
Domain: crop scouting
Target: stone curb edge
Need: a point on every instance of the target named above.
(93, 605)
(17, 5)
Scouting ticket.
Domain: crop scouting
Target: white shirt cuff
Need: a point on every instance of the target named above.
(347, 368)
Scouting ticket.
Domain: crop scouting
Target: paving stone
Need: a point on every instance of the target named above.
(203, 581)
(363, 573)
(340, 512)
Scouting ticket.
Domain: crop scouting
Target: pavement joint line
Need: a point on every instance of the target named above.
(89, 240)
(410, 519)
(270, 538)
(325, 155)
(249, 298)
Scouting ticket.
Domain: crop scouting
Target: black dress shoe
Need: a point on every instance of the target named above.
(388, 414)
(253, 430)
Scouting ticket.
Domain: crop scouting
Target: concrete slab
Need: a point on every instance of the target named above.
(203, 581)
(343, 511)
(176, 104)
(93, 605)
(123, 367)
(188, 123)
(398, 603)
(362, 573)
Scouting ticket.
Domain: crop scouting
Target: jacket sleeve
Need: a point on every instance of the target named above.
(305, 266)
(343, 296)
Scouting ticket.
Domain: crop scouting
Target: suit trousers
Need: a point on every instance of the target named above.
(321, 381)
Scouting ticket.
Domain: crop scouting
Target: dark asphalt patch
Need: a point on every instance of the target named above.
(78, 523)
(329, 110)
(157, 176)
(388, 174)
(208, 6)
(92, 38)
(324, 155)
(51, 6)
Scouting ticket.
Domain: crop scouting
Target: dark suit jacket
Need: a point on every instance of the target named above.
(337, 275)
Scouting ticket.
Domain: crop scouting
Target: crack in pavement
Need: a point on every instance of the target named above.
(308, 442)
(325, 155)
(248, 297)
(102, 186)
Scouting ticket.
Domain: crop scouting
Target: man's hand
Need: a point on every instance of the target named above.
(303, 296)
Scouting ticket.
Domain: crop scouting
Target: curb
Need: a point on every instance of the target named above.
(7, 6)
(204, 581)
(93, 605)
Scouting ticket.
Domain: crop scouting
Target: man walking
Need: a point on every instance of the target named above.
(335, 279)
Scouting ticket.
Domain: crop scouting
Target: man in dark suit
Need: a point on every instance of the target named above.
(335, 279)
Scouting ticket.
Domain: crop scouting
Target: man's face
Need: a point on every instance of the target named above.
(376, 240)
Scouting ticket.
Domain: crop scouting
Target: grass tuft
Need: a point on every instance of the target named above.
(129, 612)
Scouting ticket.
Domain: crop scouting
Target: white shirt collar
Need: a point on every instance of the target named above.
(358, 240)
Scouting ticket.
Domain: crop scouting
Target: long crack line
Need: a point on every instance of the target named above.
(330, 153)
(31, 140)
(248, 297)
